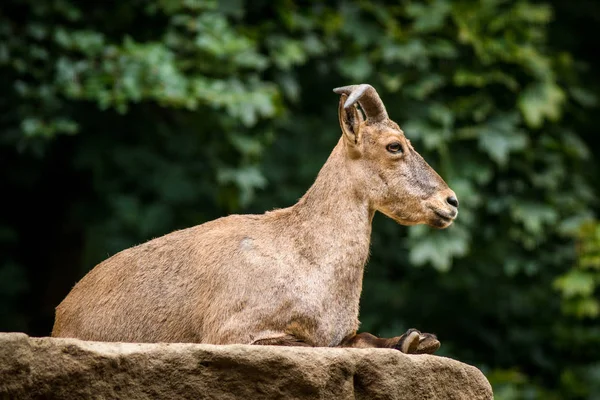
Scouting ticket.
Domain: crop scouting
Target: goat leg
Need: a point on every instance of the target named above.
(284, 340)
(412, 342)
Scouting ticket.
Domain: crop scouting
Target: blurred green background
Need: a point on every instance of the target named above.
(121, 121)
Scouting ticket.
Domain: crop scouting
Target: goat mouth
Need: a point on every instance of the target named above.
(443, 219)
(448, 216)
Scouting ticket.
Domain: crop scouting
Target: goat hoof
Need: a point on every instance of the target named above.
(415, 342)
(409, 342)
(428, 344)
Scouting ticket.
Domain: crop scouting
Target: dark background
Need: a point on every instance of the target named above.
(122, 121)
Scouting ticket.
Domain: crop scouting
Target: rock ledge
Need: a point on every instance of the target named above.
(48, 368)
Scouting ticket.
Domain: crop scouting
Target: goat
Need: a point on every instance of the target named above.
(289, 277)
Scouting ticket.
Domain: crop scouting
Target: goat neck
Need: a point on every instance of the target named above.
(333, 219)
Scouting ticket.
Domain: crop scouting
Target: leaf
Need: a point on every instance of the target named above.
(575, 146)
(438, 249)
(412, 53)
(247, 179)
(426, 86)
(540, 101)
(584, 96)
(500, 137)
(534, 216)
(463, 77)
(246, 145)
(355, 68)
(428, 17)
(575, 283)
(582, 307)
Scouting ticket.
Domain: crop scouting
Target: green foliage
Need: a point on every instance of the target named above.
(579, 286)
(123, 121)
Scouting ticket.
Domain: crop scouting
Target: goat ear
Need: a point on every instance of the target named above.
(350, 121)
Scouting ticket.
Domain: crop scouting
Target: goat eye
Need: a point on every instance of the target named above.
(394, 147)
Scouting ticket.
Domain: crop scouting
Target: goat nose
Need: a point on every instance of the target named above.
(453, 201)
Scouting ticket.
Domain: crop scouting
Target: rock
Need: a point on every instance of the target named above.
(48, 368)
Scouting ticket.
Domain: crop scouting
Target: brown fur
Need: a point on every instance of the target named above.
(286, 277)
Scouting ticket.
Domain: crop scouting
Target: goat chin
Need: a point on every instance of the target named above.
(440, 223)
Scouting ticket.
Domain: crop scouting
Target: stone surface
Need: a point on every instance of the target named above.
(47, 368)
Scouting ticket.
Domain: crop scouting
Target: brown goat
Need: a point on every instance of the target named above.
(288, 277)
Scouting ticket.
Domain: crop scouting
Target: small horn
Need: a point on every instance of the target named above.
(367, 97)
